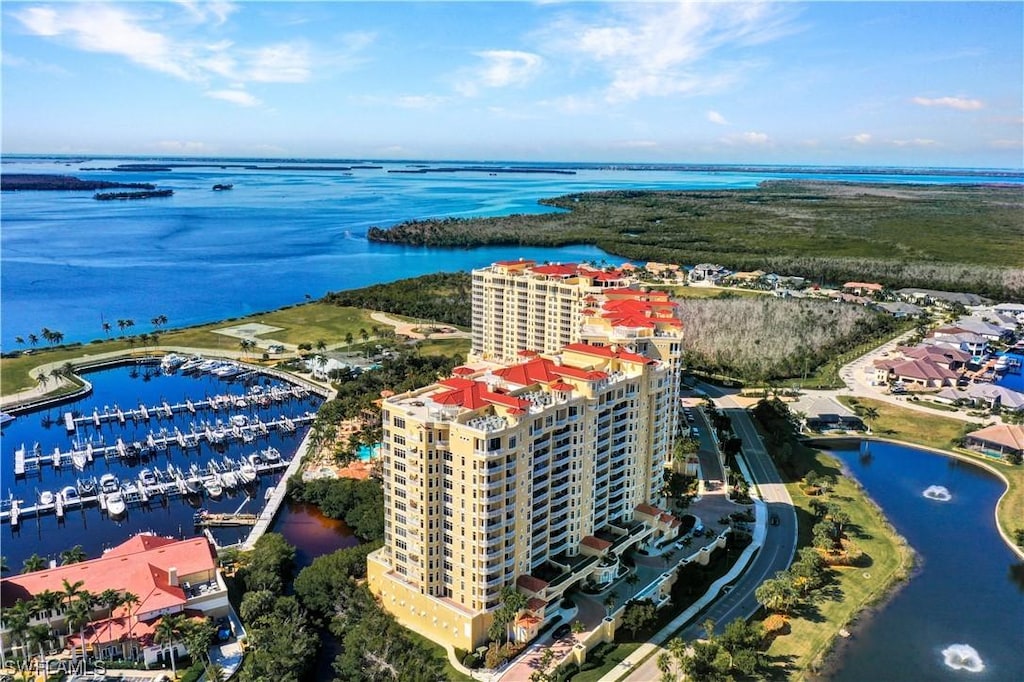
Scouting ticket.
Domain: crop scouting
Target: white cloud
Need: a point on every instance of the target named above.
(181, 147)
(109, 29)
(960, 103)
(281, 63)
(419, 101)
(753, 139)
(1006, 144)
(501, 68)
(665, 49)
(239, 97)
(180, 39)
(14, 61)
(717, 118)
(862, 138)
(916, 142)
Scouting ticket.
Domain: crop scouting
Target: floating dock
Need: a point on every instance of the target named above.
(214, 434)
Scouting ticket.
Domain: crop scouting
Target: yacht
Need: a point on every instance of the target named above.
(79, 459)
(271, 455)
(229, 479)
(147, 477)
(239, 420)
(86, 486)
(69, 493)
(246, 473)
(1002, 364)
(213, 486)
(108, 483)
(255, 460)
(171, 362)
(191, 365)
(115, 504)
(45, 498)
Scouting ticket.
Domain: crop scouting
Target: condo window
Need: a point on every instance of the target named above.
(399, 423)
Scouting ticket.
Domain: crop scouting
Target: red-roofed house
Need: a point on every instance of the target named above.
(1005, 439)
(168, 576)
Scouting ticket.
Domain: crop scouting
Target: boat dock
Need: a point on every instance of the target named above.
(217, 433)
(165, 410)
(168, 483)
(214, 520)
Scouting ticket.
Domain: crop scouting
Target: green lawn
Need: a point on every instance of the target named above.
(710, 292)
(811, 637)
(611, 659)
(306, 323)
(441, 655)
(444, 347)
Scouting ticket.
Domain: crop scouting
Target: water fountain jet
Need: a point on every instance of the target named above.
(962, 657)
(939, 493)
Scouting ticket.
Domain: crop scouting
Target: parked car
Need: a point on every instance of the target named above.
(562, 630)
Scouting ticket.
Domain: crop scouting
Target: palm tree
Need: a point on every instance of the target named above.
(129, 323)
(72, 556)
(197, 636)
(106, 329)
(57, 338)
(46, 602)
(632, 579)
(161, 320)
(109, 599)
(168, 632)
(40, 635)
(17, 618)
(364, 335)
(80, 615)
(42, 379)
(71, 591)
(121, 324)
(130, 600)
(348, 338)
(33, 563)
(321, 345)
(33, 339)
(18, 340)
(870, 414)
(609, 602)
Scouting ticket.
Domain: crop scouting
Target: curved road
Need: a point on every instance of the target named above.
(776, 553)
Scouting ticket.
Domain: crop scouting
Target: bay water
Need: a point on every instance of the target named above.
(70, 263)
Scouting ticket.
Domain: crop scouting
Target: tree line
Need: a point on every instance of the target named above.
(827, 233)
(441, 297)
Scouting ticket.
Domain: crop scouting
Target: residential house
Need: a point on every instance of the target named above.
(940, 298)
(708, 273)
(900, 310)
(863, 288)
(1001, 439)
(168, 576)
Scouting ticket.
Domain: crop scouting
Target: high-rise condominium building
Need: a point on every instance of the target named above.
(531, 475)
(520, 305)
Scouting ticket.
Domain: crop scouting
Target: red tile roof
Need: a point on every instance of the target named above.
(139, 565)
(535, 604)
(474, 395)
(1006, 435)
(648, 509)
(595, 543)
(557, 270)
(561, 386)
(531, 584)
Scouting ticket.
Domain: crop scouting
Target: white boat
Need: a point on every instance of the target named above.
(192, 485)
(213, 486)
(5, 419)
(69, 493)
(246, 473)
(108, 483)
(46, 498)
(147, 477)
(1002, 364)
(239, 420)
(87, 486)
(171, 362)
(228, 479)
(255, 460)
(79, 459)
(115, 504)
(271, 455)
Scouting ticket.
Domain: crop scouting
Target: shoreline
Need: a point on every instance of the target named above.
(911, 565)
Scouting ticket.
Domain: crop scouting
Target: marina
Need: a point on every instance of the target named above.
(93, 472)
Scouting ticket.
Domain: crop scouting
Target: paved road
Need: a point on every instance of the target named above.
(776, 554)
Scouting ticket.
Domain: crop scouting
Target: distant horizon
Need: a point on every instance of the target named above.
(87, 156)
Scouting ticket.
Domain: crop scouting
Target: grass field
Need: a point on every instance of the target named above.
(939, 432)
(440, 654)
(710, 292)
(306, 323)
(811, 635)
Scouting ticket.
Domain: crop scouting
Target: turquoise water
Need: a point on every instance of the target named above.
(70, 263)
(366, 453)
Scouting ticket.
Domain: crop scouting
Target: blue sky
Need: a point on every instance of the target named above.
(911, 83)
